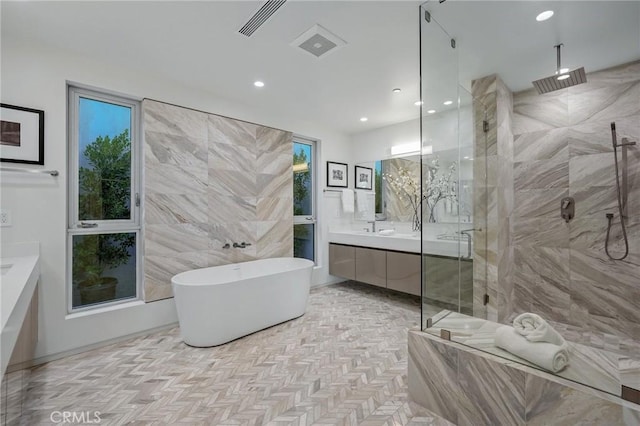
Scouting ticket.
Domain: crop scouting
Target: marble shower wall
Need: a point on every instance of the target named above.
(493, 198)
(211, 180)
(562, 147)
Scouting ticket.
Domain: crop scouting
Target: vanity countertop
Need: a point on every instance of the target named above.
(20, 269)
(407, 242)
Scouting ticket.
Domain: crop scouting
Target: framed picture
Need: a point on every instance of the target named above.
(337, 174)
(364, 178)
(21, 135)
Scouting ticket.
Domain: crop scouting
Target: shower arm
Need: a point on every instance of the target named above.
(557, 46)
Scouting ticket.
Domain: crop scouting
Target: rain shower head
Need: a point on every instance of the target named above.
(560, 80)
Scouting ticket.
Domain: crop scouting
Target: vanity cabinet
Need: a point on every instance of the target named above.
(342, 261)
(388, 269)
(403, 272)
(371, 266)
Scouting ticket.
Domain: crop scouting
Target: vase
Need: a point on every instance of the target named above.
(416, 224)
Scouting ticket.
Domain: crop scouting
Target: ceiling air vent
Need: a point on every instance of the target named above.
(261, 16)
(318, 41)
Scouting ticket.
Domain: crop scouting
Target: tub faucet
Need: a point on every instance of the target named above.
(241, 245)
(373, 225)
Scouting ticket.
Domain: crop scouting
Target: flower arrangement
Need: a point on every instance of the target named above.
(437, 187)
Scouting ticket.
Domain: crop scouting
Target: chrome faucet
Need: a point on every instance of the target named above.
(373, 225)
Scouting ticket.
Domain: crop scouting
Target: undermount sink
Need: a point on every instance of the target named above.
(5, 268)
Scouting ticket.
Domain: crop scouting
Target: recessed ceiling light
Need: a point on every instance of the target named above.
(417, 103)
(448, 102)
(563, 77)
(396, 90)
(363, 119)
(431, 111)
(258, 84)
(466, 157)
(544, 15)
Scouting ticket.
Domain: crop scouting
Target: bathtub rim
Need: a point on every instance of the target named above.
(178, 279)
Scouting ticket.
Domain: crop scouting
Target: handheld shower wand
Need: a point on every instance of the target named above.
(622, 194)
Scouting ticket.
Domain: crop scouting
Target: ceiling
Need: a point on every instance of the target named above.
(198, 44)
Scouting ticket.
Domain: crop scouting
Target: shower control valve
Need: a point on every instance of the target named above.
(567, 208)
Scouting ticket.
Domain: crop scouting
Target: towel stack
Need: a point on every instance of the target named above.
(534, 340)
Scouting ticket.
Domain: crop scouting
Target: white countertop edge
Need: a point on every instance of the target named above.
(410, 245)
(17, 289)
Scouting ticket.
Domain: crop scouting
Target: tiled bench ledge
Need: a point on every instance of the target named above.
(470, 387)
(598, 368)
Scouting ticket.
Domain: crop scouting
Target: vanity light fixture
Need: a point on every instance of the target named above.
(258, 83)
(448, 103)
(363, 119)
(544, 15)
(411, 148)
(406, 148)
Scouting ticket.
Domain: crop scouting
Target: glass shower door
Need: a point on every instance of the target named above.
(448, 138)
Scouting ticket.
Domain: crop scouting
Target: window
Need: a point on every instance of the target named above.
(304, 218)
(104, 214)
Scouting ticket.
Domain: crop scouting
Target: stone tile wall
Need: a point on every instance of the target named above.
(470, 387)
(539, 149)
(562, 147)
(211, 180)
(493, 198)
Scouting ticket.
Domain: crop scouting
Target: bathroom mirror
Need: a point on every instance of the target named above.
(449, 198)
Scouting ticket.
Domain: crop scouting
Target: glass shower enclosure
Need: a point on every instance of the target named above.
(494, 245)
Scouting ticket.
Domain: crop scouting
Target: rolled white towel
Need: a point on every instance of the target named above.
(535, 329)
(546, 355)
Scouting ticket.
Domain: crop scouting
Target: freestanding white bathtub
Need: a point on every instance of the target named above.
(222, 303)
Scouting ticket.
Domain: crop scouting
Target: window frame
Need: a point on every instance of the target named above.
(311, 219)
(131, 225)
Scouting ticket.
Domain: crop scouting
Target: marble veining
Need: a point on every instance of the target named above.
(541, 174)
(343, 363)
(162, 118)
(542, 145)
(176, 150)
(210, 181)
(492, 387)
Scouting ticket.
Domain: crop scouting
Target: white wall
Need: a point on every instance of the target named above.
(443, 131)
(36, 76)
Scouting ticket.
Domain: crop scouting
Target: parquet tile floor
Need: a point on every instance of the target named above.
(343, 363)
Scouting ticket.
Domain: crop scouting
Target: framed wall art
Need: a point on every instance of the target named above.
(363, 177)
(21, 135)
(337, 175)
